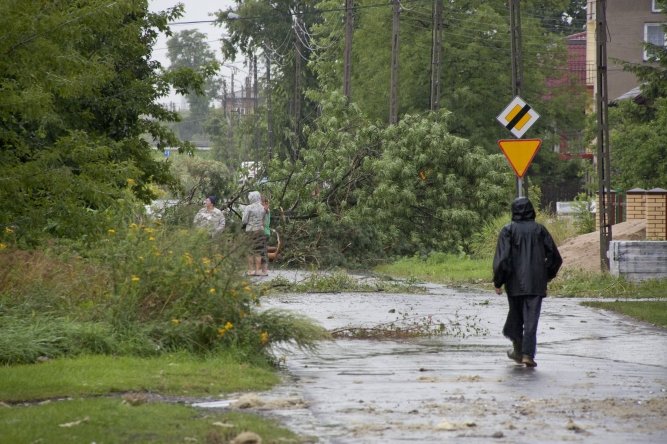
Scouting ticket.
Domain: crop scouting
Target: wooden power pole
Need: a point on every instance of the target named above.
(393, 90)
(436, 55)
(517, 63)
(347, 60)
(269, 111)
(604, 169)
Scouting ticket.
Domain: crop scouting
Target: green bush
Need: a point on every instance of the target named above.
(142, 289)
(584, 218)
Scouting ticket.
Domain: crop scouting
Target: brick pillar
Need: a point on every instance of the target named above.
(656, 214)
(636, 204)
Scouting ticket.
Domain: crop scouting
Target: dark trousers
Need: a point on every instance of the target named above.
(521, 323)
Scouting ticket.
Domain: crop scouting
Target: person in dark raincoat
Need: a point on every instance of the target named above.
(526, 259)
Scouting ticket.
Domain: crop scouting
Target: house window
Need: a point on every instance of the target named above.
(654, 34)
(655, 7)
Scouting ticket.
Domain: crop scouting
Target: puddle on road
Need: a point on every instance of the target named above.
(597, 381)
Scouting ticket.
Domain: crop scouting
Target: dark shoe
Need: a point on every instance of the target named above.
(514, 356)
(530, 362)
(515, 353)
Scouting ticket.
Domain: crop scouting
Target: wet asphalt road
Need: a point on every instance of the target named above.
(601, 377)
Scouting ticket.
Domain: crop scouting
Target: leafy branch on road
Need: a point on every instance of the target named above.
(409, 326)
(340, 281)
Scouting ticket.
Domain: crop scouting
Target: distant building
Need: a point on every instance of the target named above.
(630, 24)
(241, 101)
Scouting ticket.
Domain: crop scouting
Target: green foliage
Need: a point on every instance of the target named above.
(433, 190)
(77, 95)
(360, 193)
(147, 289)
(584, 218)
(638, 136)
(190, 54)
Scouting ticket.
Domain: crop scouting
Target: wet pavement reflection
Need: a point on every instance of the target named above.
(601, 377)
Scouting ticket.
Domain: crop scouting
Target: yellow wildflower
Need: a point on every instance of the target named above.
(175, 321)
(149, 230)
(211, 290)
(205, 260)
(263, 338)
(135, 278)
(2, 246)
(229, 326)
(131, 182)
(111, 231)
(221, 331)
(247, 289)
(134, 226)
(9, 230)
(151, 238)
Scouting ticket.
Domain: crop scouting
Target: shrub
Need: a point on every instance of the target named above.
(142, 289)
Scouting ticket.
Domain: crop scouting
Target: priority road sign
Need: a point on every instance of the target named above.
(517, 117)
(520, 153)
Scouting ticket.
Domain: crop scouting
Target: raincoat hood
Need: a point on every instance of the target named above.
(522, 209)
(254, 197)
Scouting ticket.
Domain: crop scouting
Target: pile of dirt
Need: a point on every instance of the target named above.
(583, 252)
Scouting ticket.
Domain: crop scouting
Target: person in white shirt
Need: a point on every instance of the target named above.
(210, 217)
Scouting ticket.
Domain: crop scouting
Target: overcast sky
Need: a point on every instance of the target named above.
(195, 10)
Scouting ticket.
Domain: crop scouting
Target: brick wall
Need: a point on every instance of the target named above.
(635, 204)
(650, 205)
(656, 214)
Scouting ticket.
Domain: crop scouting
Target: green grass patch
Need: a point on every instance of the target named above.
(603, 285)
(179, 374)
(340, 282)
(441, 268)
(455, 270)
(113, 420)
(654, 312)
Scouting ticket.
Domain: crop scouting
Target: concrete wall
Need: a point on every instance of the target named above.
(638, 260)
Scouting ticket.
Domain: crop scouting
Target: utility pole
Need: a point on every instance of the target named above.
(604, 168)
(224, 97)
(436, 55)
(517, 63)
(230, 133)
(347, 59)
(255, 105)
(296, 109)
(393, 91)
(269, 112)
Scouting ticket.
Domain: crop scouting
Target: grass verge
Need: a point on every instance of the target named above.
(74, 400)
(113, 420)
(654, 312)
(179, 374)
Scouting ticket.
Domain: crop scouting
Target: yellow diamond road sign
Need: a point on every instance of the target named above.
(520, 153)
(517, 117)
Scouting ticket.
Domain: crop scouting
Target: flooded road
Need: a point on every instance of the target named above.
(601, 377)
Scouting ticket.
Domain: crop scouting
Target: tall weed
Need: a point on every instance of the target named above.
(146, 289)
